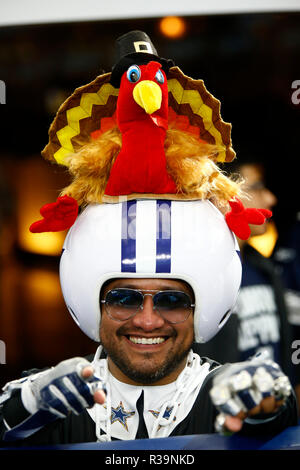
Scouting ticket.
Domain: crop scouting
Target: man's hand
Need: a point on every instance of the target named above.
(69, 387)
(99, 394)
(246, 389)
(268, 405)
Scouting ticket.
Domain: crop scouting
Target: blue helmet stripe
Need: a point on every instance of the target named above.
(128, 242)
(163, 236)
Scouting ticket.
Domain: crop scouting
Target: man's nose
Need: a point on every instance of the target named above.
(148, 318)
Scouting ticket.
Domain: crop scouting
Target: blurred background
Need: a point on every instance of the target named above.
(249, 60)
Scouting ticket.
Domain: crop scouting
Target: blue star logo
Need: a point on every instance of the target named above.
(166, 414)
(120, 415)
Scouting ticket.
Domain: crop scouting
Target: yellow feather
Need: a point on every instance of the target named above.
(189, 161)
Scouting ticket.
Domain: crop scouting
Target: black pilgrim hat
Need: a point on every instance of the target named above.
(132, 48)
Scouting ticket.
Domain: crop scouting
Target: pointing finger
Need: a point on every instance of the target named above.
(233, 423)
(99, 397)
(87, 372)
(268, 405)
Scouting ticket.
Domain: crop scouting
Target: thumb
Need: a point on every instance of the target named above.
(87, 372)
(233, 423)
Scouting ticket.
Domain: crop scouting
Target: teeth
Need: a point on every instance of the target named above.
(136, 340)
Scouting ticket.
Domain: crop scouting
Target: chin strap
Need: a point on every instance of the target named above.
(188, 381)
(185, 384)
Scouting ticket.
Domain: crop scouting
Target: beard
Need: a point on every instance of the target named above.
(145, 373)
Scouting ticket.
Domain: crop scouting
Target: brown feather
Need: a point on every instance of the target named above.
(190, 162)
(192, 165)
(90, 167)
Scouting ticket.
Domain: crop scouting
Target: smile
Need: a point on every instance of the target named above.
(141, 340)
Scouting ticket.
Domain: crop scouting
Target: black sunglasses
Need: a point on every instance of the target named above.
(122, 303)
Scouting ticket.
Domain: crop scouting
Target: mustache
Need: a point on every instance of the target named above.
(125, 331)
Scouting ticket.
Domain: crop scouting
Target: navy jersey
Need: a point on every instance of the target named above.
(259, 319)
(259, 322)
(200, 419)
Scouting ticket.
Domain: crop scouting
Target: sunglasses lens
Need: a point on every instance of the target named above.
(172, 300)
(123, 303)
(174, 306)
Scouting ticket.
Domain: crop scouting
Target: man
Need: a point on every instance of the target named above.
(149, 280)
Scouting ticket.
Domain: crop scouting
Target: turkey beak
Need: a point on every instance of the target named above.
(148, 95)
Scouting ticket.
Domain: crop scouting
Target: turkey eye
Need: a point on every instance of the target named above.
(159, 77)
(133, 73)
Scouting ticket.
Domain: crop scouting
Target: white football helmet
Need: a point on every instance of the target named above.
(186, 240)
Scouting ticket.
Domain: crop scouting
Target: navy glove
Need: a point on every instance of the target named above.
(243, 386)
(63, 389)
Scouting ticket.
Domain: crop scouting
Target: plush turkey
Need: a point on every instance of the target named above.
(143, 131)
(142, 117)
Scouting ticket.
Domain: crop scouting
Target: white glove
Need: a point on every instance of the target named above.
(61, 389)
(242, 386)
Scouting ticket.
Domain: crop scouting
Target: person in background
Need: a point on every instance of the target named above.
(287, 259)
(260, 317)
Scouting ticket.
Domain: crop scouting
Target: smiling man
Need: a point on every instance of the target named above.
(149, 346)
(148, 280)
